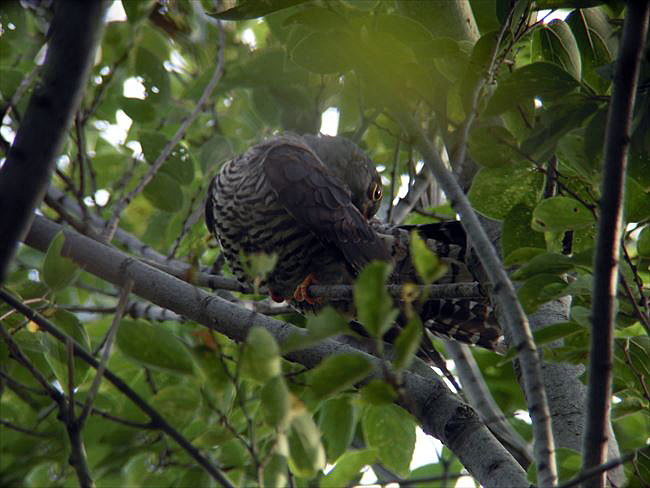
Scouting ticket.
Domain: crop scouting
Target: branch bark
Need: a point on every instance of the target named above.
(25, 175)
(440, 412)
(603, 310)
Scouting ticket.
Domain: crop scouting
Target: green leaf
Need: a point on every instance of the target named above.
(56, 352)
(326, 323)
(154, 346)
(643, 244)
(261, 356)
(544, 263)
(316, 18)
(408, 342)
(252, 9)
(58, 272)
(427, 264)
(555, 121)
(275, 469)
(338, 421)
(522, 255)
(637, 201)
(592, 32)
(306, 453)
(139, 110)
(178, 166)
(374, 304)
(556, 332)
(155, 77)
(560, 214)
(178, 404)
(544, 80)
(495, 191)
(517, 232)
(408, 30)
(348, 467)
(378, 392)
(382, 425)
(436, 471)
(556, 44)
(493, 145)
(322, 53)
(337, 373)
(164, 193)
(540, 289)
(257, 265)
(275, 402)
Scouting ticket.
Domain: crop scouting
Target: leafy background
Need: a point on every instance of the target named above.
(537, 141)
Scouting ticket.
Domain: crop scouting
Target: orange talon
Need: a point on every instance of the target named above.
(301, 294)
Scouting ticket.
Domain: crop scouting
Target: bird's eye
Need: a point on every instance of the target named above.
(375, 192)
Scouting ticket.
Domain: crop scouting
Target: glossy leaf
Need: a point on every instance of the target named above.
(275, 401)
(251, 9)
(560, 214)
(427, 264)
(58, 271)
(556, 44)
(495, 191)
(408, 342)
(348, 467)
(517, 232)
(56, 352)
(154, 346)
(164, 193)
(374, 304)
(338, 373)
(338, 421)
(261, 357)
(382, 424)
(306, 453)
(544, 80)
(493, 146)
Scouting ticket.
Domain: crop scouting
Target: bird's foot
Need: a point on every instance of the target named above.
(275, 297)
(302, 295)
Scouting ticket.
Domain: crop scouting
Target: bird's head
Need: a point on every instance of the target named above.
(345, 159)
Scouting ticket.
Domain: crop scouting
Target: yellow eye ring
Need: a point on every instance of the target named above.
(376, 192)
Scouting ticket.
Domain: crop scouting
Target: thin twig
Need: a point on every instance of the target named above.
(476, 96)
(94, 388)
(393, 179)
(600, 469)
(23, 430)
(603, 310)
(156, 419)
(169, 147)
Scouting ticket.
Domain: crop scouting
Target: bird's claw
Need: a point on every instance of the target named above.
(302, 294)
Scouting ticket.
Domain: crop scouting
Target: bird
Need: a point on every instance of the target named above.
(311, 202)
(305, 199)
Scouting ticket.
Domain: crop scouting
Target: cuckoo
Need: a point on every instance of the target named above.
(310, 201)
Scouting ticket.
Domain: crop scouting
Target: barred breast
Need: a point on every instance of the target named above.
(243, 212)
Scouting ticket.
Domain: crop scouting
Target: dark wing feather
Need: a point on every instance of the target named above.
(209, 211)
(320, 201)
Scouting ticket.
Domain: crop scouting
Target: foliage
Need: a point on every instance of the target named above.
(537, 138)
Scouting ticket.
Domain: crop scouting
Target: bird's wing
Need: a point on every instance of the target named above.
(320, 201)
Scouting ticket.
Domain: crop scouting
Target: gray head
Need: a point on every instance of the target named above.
(353, 166)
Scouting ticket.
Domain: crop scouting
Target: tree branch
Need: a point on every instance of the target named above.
(441, 413)
(603, 310)
(25, 175)
(156, 419)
